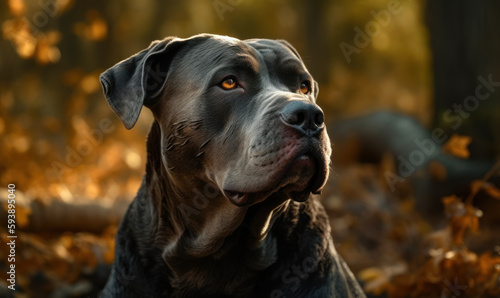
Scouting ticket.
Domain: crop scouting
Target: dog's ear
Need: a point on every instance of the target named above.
(139, 80)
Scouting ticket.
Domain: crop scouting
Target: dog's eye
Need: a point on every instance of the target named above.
(305, 87)
(229, 83)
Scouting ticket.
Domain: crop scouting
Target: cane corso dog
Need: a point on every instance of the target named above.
(237, 150)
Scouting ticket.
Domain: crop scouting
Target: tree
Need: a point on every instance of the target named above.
(465, 44)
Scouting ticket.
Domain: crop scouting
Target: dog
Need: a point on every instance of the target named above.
(237, 151)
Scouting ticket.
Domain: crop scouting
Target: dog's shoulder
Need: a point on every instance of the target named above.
(133, 255)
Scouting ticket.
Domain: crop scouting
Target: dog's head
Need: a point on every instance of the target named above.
(240, 114)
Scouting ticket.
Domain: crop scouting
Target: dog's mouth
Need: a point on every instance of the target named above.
(303, 175)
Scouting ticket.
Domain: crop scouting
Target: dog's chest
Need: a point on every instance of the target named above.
(233, 274)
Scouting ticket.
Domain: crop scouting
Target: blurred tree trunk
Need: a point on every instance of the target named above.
(465, 44)
(317, 55)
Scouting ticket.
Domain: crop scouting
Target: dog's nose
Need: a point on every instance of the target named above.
(305, 117)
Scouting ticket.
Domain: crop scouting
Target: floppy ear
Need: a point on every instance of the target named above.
(139, 80)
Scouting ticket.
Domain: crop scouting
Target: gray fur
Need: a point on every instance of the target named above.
(225, 208)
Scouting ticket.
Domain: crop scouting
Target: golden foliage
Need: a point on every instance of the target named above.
(396, 253)
(63, 258)
(457, 146)
(450, 268)
(46, 51)
(28, 34)
(380, 231)
(489, 188)
(94, 29)
(18, 32)
(16, 7)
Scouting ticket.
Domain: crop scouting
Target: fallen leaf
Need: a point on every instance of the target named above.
(457, 146)
(16, 7)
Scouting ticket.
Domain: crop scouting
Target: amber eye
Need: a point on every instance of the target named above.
(228, 83)
(305, 87)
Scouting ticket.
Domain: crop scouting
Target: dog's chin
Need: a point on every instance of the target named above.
(298, 180)
(301, 177)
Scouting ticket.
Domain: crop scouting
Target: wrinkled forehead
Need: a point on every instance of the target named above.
(203, 57)
(275, 51)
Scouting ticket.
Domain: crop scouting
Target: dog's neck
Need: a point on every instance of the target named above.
(188, 229)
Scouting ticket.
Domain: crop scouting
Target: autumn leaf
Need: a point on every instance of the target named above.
(46, 51)
(463, 218)
(375, 280)
(457, 146)
(454, 207)
(19, 33)
(488, 187)
(22, 216)
(16, 7)
(94, 29)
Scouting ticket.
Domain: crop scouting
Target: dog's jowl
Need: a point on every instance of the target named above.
(237, 151)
